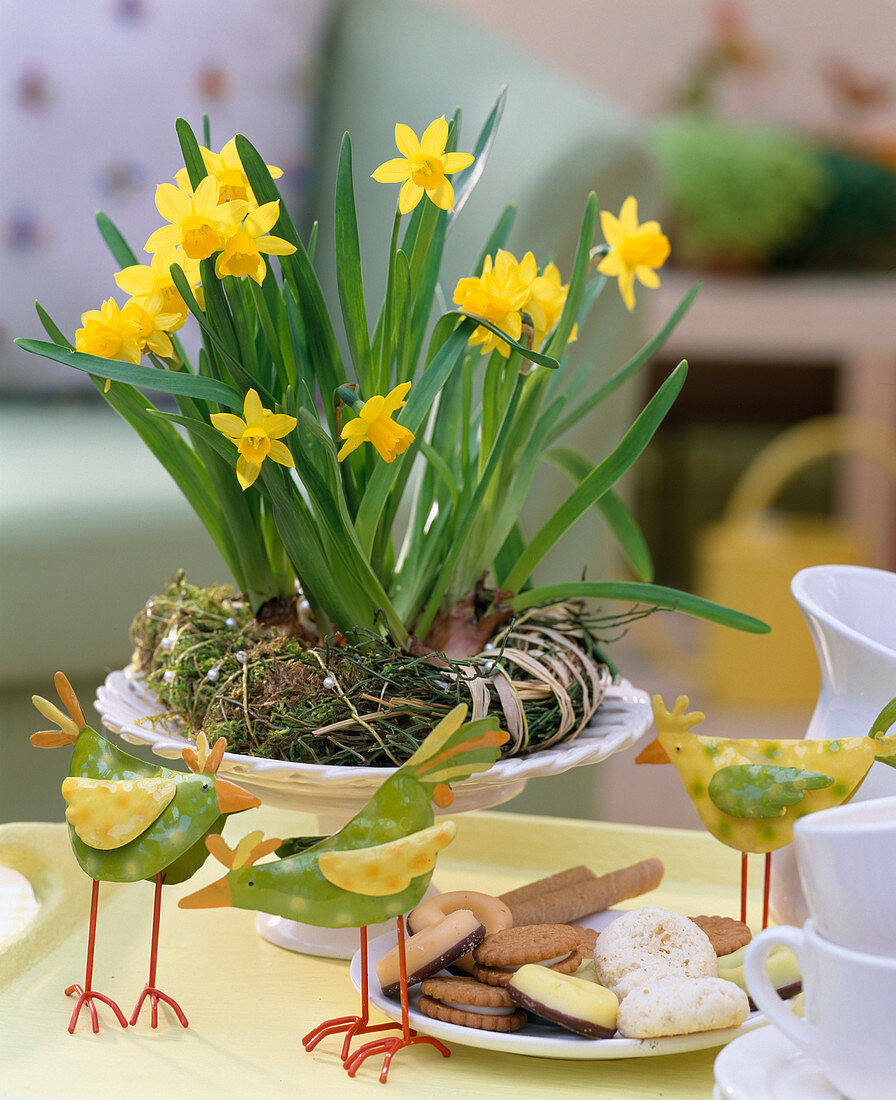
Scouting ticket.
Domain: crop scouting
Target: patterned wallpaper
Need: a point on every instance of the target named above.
(89, 96)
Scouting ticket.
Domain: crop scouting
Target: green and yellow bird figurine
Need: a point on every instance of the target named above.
(130, 820)
(376, 867)
(749, 791)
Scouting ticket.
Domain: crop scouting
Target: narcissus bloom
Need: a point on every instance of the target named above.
(242, 250)
(109, 333)
(375, 424)
(227, 168)
(199, 223)
(635, 250)
(498, 295)
(548, 297)
(143, 282)
(153, 324)
(257, 437)
(423, 166)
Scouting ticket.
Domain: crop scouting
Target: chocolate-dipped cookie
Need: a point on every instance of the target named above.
(576, 1004)
(431, 950)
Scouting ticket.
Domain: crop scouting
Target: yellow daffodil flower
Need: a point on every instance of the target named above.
(199, 223)
(548, 297)
(242, 250)
(635, 250)
(153, 324)
(375, 424)
(257, 437)
(227, 168)
(498, 295)
(423, 166)
(143, 282)
(109, 333)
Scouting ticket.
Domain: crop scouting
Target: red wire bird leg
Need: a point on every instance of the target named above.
(351, 1025)
(392, 1044)
(149, 990)
(87, 995)
(743, 888)
(766, 884)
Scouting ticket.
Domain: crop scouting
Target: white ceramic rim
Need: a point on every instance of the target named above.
(851, 814)
(809, 603)
(623, 717)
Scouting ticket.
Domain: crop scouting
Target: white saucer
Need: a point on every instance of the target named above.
(764, 1064)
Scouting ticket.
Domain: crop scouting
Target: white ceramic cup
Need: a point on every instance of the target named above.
(849, 1000)
(847, 865)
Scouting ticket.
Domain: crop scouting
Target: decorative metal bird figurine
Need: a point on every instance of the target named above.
(130, 820)
(377, 866)
(748, 792)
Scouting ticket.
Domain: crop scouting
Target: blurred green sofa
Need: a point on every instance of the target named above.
(90, 525)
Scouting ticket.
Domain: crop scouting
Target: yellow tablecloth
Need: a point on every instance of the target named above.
(249, 1002)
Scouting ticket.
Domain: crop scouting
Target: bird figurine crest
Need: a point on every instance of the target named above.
(376, 867)
(130, 820)
(749, 791)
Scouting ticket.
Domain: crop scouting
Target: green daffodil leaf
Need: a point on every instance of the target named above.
(147, 378)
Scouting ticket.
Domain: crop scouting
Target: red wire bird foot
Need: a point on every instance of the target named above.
(390, 1047)
(156, 995)
(87, 997)
(351, 1025)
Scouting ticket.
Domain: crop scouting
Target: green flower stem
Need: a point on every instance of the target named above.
(349, 276)
(244, 330)
(414, 414)
(383, 350)
(468, 517)
(258, 299)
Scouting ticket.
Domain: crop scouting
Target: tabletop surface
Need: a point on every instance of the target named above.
(249, 1002)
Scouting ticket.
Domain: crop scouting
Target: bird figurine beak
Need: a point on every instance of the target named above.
(232, 799)
(217, 895)
(654, 753)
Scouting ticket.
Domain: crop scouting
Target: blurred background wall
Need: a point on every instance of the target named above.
(637, 51)
(763, 133)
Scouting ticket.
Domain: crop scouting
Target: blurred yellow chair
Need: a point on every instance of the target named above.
(749, 557)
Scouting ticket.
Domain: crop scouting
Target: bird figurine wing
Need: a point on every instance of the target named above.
(758, 790)
(108, 813)
(387, 868)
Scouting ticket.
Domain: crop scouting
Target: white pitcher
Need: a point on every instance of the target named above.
(851, 614)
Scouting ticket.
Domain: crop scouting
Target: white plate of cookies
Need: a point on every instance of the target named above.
(616, 983)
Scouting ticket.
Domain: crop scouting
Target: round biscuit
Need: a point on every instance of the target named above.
(438, 1011)
(654, 940)
(726, 934)
(496, 975)
(525, 944)
(468, 991)
(680, 1006)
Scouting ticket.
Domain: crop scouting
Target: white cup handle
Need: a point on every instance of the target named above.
(764, 994)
